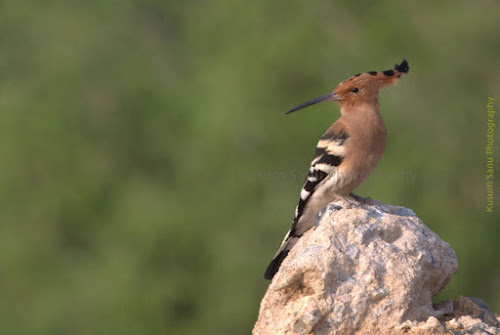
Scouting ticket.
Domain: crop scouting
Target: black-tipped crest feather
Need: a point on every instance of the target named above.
(403, 67)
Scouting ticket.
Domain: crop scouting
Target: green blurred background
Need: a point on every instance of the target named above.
(149, 173)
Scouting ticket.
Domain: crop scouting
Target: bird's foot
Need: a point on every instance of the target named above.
(349, 199)
(365, 201)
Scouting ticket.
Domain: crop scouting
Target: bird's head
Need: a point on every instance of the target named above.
(361, 88)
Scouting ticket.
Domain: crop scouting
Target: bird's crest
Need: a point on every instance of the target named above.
(361, 88)
(378, 78)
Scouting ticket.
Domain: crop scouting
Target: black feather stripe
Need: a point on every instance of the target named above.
(318, 152)
(300, 207)
(309, 186)
(316, 175)
(339, 137)
(330, 160)
(388, 73)
(275, 264)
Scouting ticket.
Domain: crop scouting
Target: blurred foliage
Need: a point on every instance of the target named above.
(149, 174)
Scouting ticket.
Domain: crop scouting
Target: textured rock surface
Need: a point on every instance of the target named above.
(462, 316)
(468, 316)
(363, 269)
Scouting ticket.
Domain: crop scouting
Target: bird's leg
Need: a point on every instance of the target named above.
(357, 197)
(351, 200)
(368, 201)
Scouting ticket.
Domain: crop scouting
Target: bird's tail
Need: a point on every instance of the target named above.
(286, 246)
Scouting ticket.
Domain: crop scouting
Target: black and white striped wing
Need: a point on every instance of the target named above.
(328, 155)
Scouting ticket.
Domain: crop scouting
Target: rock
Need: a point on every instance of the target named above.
(471, 316)
(457, 326)
(369, 270)
(467, 315)
(443, 308)
(362, 269)
(475, 308)
(469, 325)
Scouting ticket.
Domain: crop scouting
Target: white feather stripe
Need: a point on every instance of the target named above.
(332, 147)
(304, 194)
(312, 179)
(316, 159)
(286, 236)
(326, 168)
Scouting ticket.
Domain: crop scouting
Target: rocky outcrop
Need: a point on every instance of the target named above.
(463, 316)
(363, 269)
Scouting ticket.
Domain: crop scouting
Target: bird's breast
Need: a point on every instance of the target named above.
(364, 148)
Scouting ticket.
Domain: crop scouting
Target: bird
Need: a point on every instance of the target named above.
(345, 155)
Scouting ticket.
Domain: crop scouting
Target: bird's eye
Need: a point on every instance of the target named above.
(355, 90)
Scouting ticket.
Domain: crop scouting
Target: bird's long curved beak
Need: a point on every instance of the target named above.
(330, 96)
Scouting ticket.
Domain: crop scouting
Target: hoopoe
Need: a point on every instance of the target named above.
(346, 154)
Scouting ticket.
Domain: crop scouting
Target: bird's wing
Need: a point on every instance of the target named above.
(328, 155)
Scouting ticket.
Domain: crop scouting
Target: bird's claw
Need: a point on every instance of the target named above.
(365, 201)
